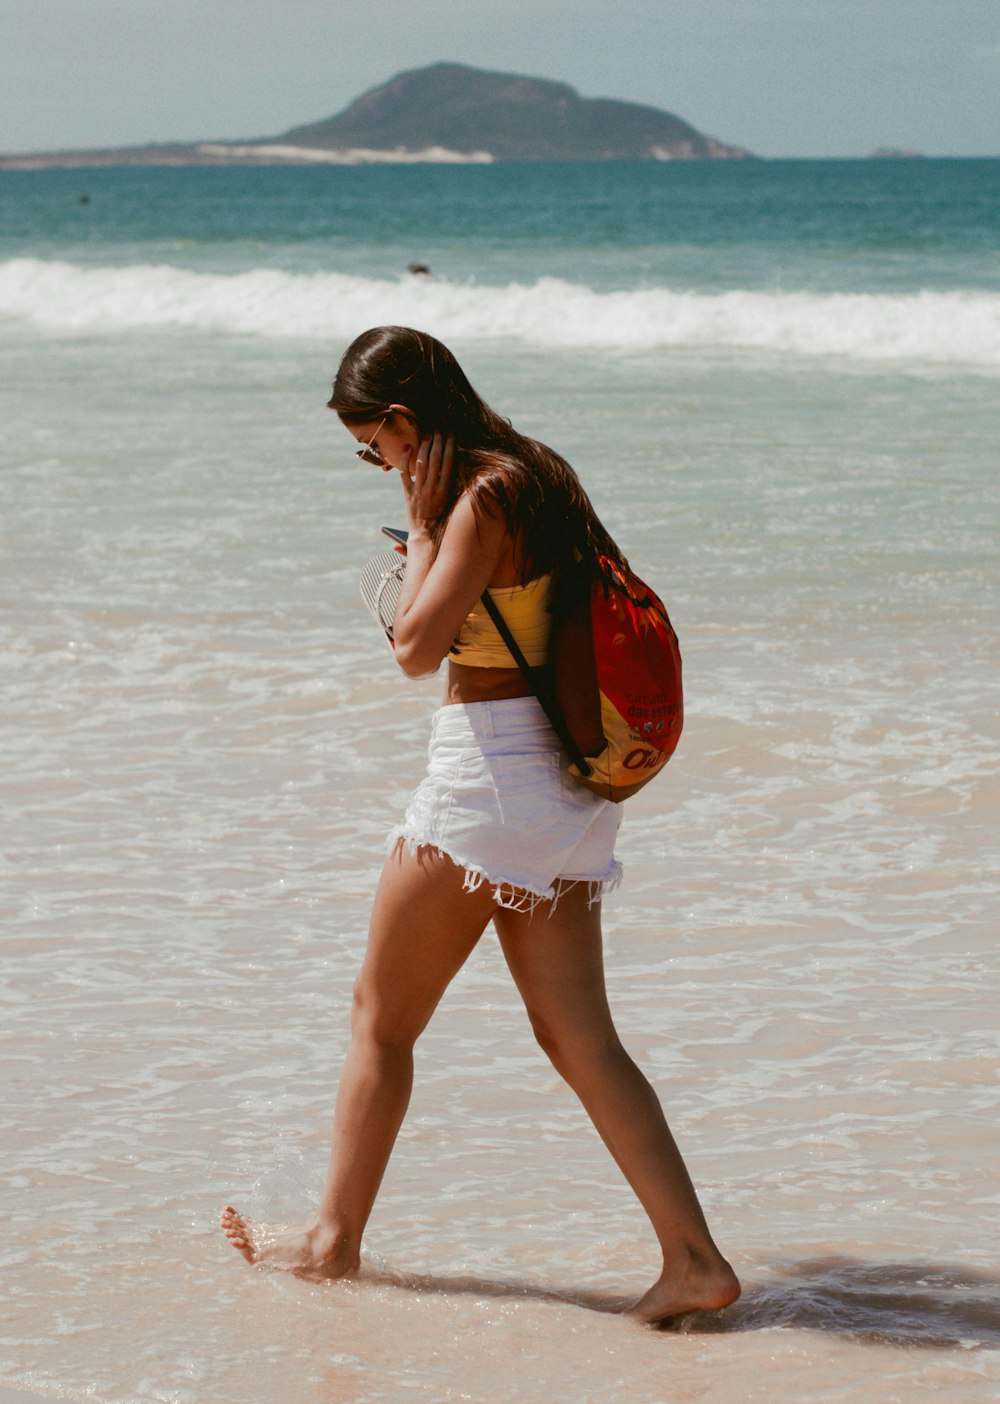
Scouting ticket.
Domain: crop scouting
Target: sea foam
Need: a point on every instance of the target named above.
(933, 328)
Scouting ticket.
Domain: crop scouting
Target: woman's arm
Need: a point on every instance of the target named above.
(439, 589)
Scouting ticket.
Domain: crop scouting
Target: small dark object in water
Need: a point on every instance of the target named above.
(84, 199)
(420, 269)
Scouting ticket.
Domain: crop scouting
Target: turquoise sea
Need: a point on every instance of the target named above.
(780, 383)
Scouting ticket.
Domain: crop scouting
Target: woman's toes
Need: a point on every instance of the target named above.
(235, 1228)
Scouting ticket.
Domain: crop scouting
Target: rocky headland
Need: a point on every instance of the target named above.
(447, 112)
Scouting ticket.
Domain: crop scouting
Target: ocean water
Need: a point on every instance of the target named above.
(780, 383)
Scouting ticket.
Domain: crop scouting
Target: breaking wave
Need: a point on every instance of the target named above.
(926, 327)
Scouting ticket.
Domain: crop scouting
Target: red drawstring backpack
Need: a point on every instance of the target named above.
(615, 696)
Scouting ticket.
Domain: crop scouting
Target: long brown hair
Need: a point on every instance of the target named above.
(543, 504)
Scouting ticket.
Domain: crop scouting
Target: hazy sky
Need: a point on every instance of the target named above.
(783, 77)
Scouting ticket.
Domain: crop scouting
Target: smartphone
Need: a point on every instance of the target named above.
(397, 534)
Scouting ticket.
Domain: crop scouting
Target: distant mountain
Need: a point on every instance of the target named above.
(445, 112)
(507, 117)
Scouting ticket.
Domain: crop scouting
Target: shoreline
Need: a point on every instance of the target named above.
(278, 154)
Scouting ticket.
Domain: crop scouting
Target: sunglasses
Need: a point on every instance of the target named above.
(370, 454)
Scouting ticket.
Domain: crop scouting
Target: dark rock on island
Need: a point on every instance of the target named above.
(895, 153)
(445, 112)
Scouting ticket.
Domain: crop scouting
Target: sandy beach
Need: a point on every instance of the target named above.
(205, 743)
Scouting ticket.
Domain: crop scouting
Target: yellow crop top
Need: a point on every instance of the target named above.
(525, 609)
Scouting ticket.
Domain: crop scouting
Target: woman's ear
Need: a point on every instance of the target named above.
(401, 409)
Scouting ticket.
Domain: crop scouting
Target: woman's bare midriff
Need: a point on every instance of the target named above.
(467, 684)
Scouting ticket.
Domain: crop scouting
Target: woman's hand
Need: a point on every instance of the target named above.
(441, 585)
(427, 483)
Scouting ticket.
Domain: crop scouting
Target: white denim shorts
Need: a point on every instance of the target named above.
(497, 800)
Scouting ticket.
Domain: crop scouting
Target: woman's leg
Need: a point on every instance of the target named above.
(423, 928)
(556, 959)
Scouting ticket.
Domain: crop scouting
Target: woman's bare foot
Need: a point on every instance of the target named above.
(315, 1252)
(700, 1286)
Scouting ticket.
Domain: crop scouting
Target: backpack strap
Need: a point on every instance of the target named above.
(534, 679)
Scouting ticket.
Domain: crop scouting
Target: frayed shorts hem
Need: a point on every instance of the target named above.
(498, 802)
(508, 895)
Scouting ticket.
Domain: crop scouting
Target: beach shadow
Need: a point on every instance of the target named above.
(925, 1305)
(494, 1288)
(901, 1304)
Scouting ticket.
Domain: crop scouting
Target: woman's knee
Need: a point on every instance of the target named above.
(373, 1022)
(576, 1052)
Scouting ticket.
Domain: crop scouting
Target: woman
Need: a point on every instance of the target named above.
(497, 831)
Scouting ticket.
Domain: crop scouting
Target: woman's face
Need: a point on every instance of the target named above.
(386, 439)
